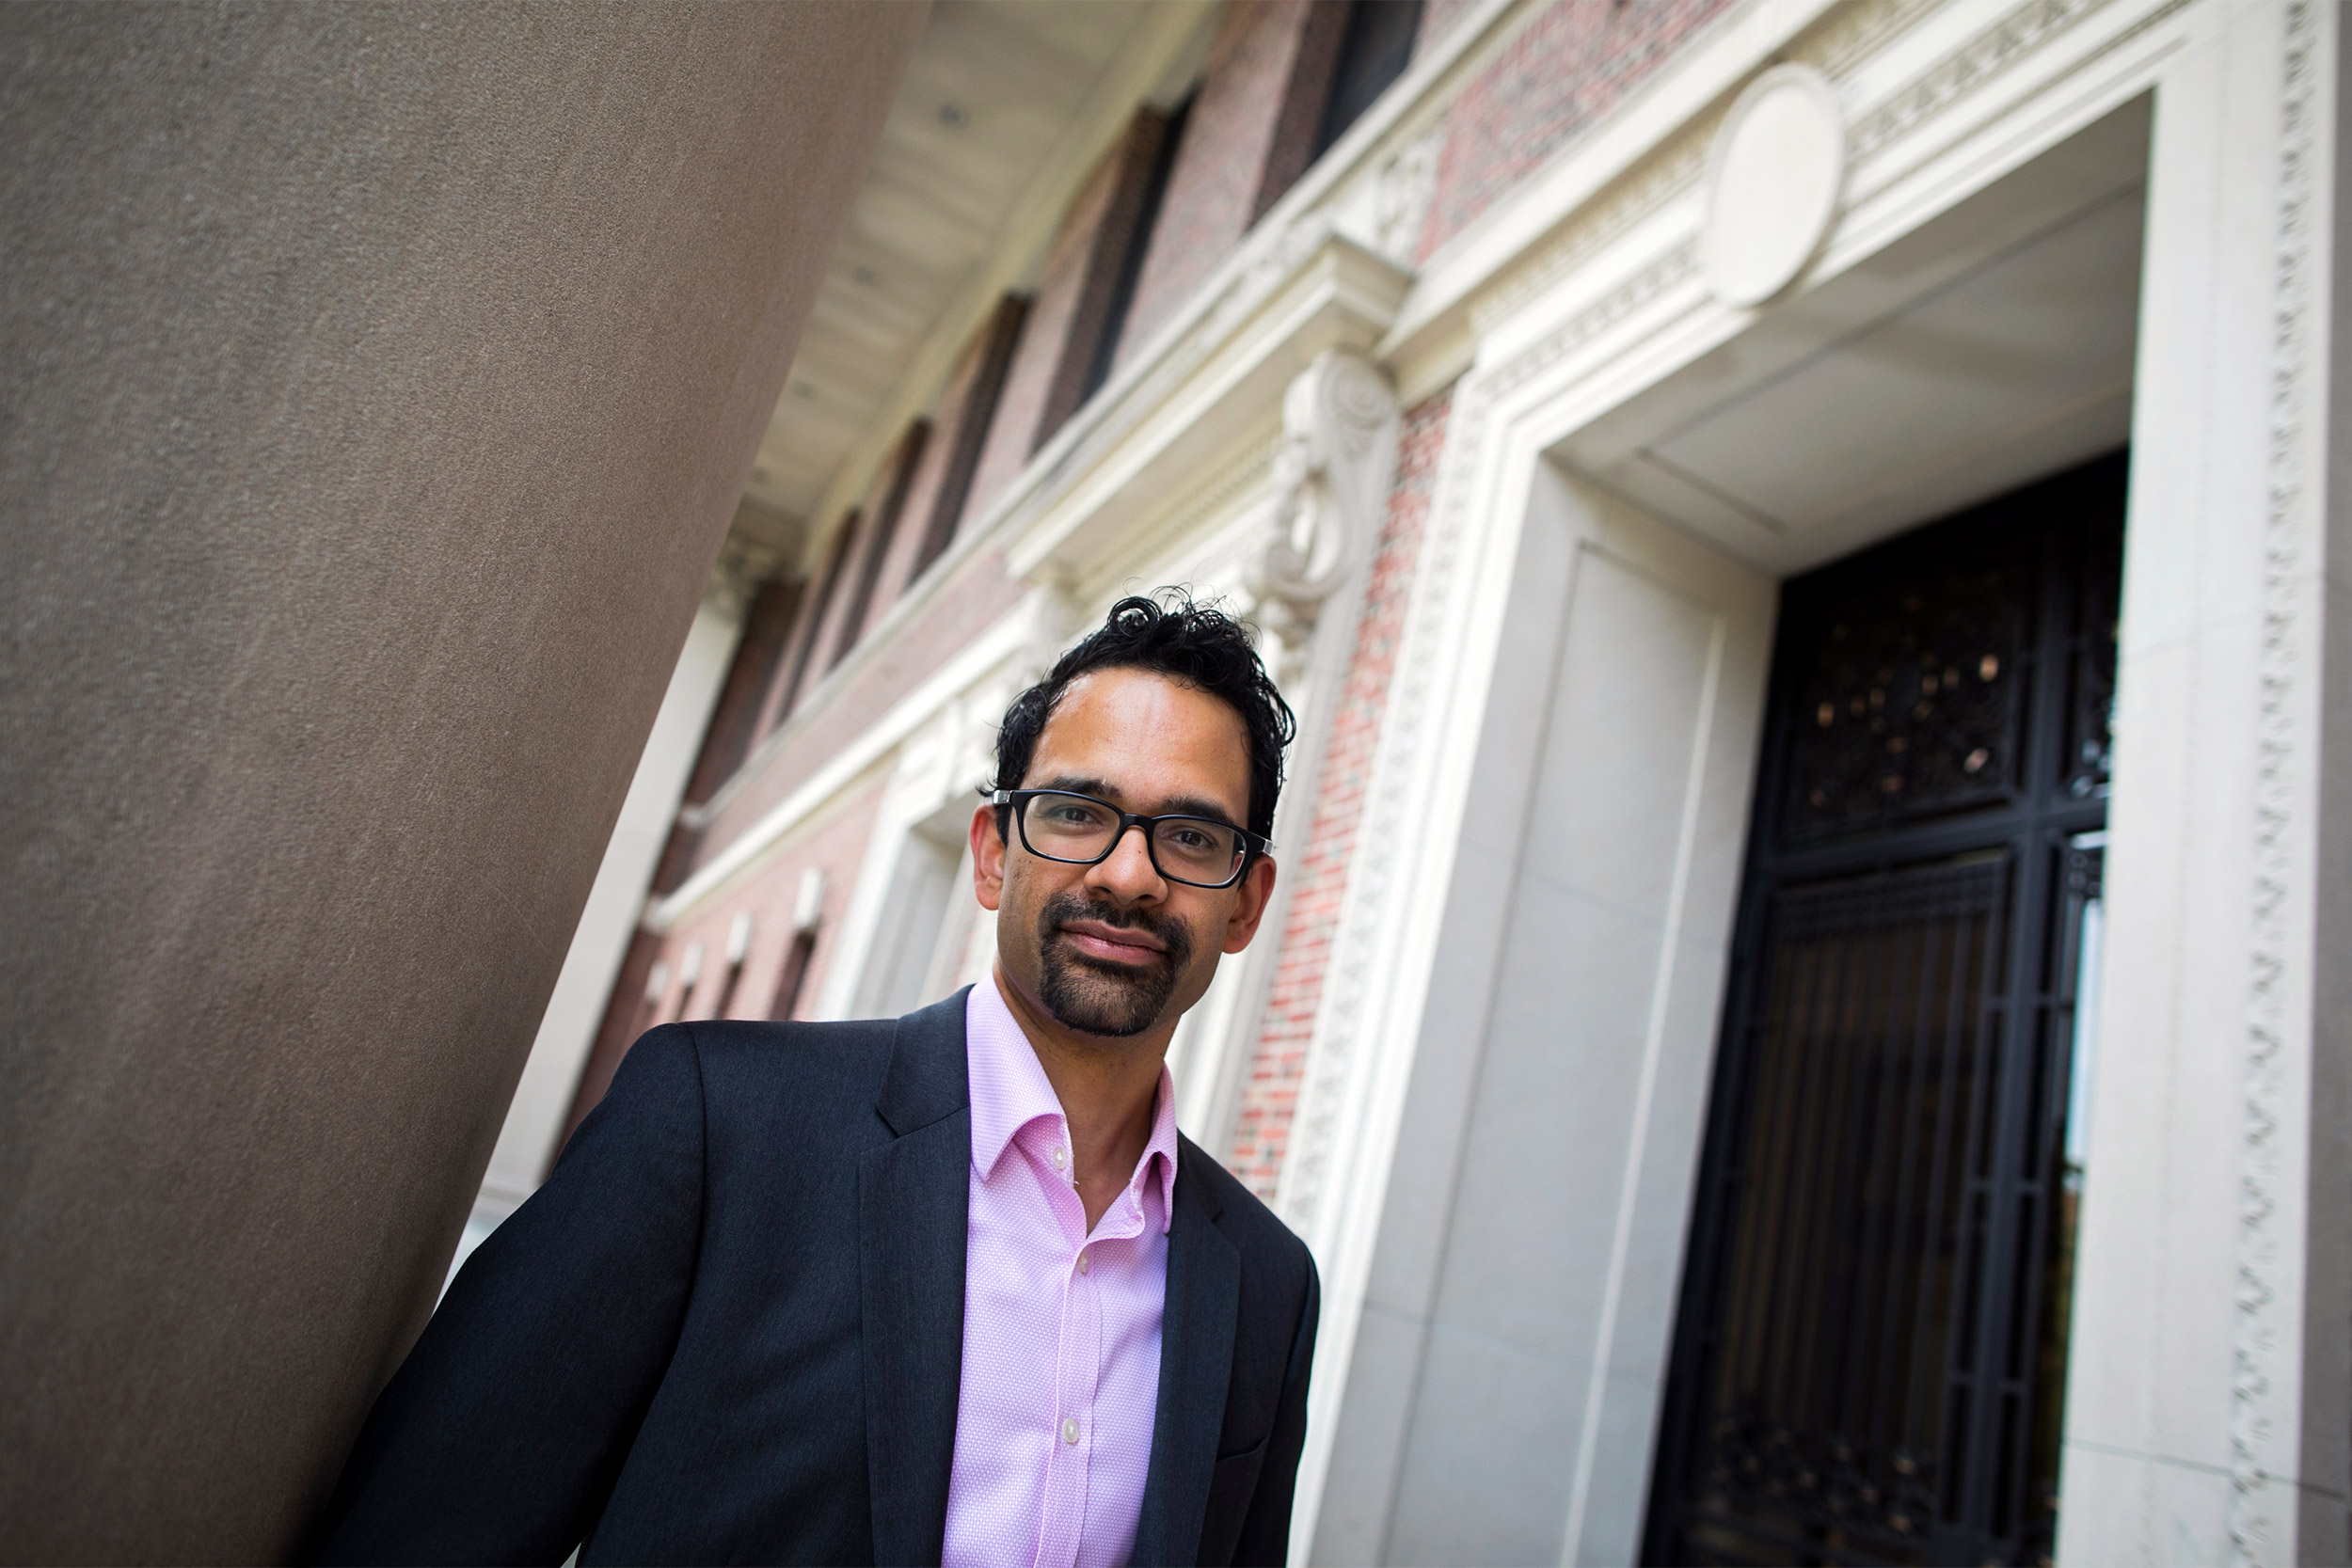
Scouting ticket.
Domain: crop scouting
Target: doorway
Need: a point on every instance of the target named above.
(1869, 1354)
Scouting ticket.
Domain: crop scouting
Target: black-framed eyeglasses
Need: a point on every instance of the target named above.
(1079, 829)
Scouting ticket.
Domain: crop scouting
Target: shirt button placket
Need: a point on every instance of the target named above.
(1063, 1528)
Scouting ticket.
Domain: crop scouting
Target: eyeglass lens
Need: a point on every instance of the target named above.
(1080, 828)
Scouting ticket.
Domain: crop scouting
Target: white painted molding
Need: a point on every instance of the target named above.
(2266, 1342)
(1773, 177)
(1334, 293)
(1330, 480)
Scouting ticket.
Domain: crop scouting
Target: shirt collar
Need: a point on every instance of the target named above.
(1009, 1090)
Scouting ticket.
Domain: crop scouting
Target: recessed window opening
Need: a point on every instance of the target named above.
(690, 973)
(885, 530)
(1131, 266)
(739, 948)
(1374, 52)
(813, 626)
(657, 986)
(1003, 335)
(795, 971)
(808, 914)
(924, 918)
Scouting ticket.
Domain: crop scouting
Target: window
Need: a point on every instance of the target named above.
(878, 543)
(808, 913)
(739, 948)
(1374, 52)
(813, 617)
(916, 946)
(1002, 335)
(795, 971)
(1138, 244)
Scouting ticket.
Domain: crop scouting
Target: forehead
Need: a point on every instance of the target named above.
(1150, 738)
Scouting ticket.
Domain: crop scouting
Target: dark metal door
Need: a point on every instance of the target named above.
(1870, 1349)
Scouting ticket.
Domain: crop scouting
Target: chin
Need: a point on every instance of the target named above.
(1115, 1002)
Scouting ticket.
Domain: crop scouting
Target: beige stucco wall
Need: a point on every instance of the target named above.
(378, 384)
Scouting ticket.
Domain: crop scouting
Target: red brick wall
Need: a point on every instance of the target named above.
(1571, 65)
(1251, 120)
(1270, 1096)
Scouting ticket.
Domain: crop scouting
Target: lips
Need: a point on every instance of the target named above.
(1113, 943)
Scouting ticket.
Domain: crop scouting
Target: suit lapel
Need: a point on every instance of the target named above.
(1196, 1324)
(912, 1195)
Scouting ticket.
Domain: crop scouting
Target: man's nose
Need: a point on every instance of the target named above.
(1127, 872)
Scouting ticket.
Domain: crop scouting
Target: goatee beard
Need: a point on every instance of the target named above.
(1096, 998)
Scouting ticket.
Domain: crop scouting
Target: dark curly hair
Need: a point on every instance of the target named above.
(1196, 645)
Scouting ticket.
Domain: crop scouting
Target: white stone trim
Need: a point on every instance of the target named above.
(1939, 135)
(2274, 1206)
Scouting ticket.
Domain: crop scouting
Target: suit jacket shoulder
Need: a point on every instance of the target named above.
(1264, 1239)
(794, 1080)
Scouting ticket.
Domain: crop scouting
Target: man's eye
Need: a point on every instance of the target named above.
(1193, 839)
(1072, 815)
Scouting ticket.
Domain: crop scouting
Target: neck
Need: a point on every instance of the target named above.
(1107, 1088)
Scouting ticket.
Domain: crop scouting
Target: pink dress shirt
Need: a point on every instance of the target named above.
(1061, 1329)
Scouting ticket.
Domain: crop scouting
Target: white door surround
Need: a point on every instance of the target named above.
(2208, 1413)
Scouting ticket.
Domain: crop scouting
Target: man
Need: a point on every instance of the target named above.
(948, 1287)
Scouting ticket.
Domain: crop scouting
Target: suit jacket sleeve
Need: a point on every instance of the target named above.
(1266, 1532)
(500, 1437)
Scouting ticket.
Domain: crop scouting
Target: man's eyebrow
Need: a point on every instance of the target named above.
(1076, 784)
(1181, 806)
(1193, 805)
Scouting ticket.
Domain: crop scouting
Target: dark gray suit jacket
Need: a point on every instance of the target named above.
(730, 1328)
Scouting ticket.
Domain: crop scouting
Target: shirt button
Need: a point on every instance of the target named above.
(1061, 1158)
(1081, 1262)
(1068, 1429)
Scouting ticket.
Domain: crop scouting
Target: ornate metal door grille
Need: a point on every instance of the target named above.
(1870, 1350)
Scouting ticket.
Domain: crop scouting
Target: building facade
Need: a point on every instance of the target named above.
(1796, 1020)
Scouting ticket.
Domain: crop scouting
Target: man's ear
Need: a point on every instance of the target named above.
(988, 856)
(1257, 889)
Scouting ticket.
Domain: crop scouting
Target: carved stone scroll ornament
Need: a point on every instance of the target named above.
(1338, 427)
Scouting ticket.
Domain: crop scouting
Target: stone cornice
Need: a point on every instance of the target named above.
(1337, 294)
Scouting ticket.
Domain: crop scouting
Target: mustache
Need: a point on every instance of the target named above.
(1065, 908)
